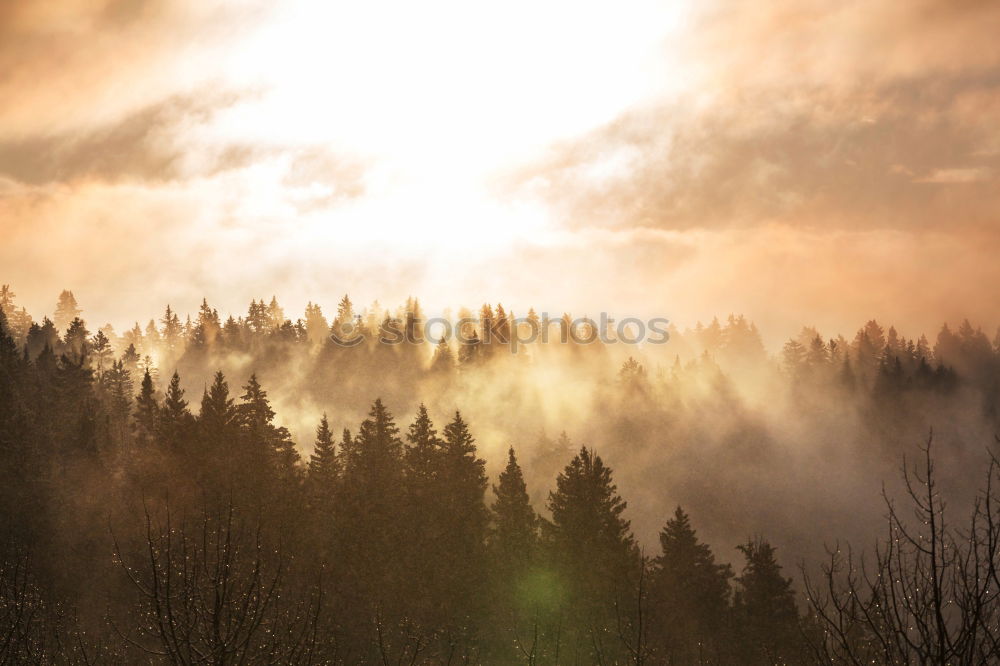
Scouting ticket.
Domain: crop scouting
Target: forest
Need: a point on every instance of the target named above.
(245, 490)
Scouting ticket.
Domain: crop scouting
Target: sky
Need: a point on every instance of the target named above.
(802, 162)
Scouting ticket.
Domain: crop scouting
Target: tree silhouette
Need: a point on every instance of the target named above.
(690, 595)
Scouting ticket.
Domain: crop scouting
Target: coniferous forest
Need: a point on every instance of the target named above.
(200, 490)
(439, 333)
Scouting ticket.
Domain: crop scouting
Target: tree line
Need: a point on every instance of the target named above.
(218, 544)
(137, 528)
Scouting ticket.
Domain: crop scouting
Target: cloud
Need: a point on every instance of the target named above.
(172, 140)
(818, 115)
(143, 146)
(838, 45)
(323, 179)
(808, 161)
(852, 160)
(72, 64)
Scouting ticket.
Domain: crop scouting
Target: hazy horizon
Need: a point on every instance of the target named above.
(793, 161)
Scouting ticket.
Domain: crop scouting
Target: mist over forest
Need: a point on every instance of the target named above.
(433, 482)
(685, 351)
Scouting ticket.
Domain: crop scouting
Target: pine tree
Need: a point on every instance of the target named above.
(514, 537)
(117, 391)
(444, 360)
(324, 467)
(41, 336)
(101, 352)
(133, 337)
(469, 350)
(207, 331)
(130, 358)
(518, 580)
(317, 327)
(233, 333)
(147, 412)
(486, 337)
(690, 594)
(818, 355)
(175, 407)
(765, 609)
(323, 475)
(423, 453)
(218, 426)
(66, 311)
(590, 544)
(172, 334)
(76, 339)
(427, 520)
(372, 512)
(345, 310)
(269, 445)
(152, 338)
(464, 477)
(793, 356)
(275, 313)
(461, 489)
(588, 536)
(18, 319)
(501, 328)
(217, 409)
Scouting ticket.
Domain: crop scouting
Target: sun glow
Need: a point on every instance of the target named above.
(438, 99)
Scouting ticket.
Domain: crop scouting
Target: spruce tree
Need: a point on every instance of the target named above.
(101, 352)
(77, 343)
(218, 413)
(172, 334)
(117, 387)
(469, 350)
(464, 478)
(423, 453)
(514, 537)
(345, 311)
(426, 520)
(322, 485)
(591, 546)
(146, 413)
(462, 487)
(175, 421)
(765, 609)
(218, 428)
(130, 357)
(66, 310)
(266, 446)
(372, 511)
(517, 579)
(444, 359)
(689, 593)
(324, 466)
(317, 327)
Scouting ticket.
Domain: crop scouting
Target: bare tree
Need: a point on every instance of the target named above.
(21, 606)
(929, 595)
(212, 593)
(633, 629)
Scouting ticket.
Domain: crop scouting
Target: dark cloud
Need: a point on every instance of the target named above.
(152, 146)
(143, 146)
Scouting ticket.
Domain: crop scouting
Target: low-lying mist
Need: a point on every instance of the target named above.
(792, 444)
